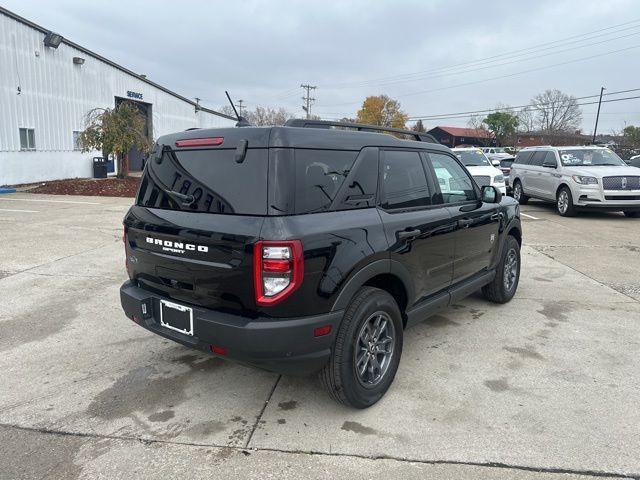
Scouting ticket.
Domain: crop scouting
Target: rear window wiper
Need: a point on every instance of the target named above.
(186, 200)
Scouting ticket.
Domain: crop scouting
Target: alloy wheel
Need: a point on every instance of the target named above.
(517, 192)
(510, 270)
(374, 349)
(563, 202)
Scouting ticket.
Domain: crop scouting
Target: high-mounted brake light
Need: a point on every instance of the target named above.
(200, 142)
(277, 270)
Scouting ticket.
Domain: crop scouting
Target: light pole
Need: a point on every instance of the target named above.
(595, 129)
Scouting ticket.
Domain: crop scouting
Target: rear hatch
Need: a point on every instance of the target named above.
(199, 210)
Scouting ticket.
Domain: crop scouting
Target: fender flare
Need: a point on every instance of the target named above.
(378, 267)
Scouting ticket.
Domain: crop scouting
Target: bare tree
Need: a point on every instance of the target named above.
(262, 116)
(527, 119)
(475, 121)
(556, 112)
(267, 116)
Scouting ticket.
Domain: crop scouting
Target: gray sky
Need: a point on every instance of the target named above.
(263, 50)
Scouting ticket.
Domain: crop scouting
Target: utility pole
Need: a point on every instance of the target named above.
(307, 98)
(595, 129)
(240, 107)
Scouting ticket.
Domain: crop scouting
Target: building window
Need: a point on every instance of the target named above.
(27, 139)
(76, 140)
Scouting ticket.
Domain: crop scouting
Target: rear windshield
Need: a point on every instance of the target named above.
(206, 181)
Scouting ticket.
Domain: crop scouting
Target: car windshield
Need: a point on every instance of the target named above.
(501, 150)
(589, 157)
(472, 158)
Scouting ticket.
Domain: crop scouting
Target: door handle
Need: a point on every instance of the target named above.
(404, 234)
(496, 216)
(464, 223)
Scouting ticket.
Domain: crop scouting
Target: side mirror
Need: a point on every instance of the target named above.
(550, 164)
(495, 163)
(491, 194)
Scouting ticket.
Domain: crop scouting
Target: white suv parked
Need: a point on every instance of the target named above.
(576, 178)
(480, 168)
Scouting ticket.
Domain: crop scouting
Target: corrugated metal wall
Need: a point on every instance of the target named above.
(55, 94)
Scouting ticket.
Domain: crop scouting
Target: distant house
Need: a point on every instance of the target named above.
(533, 139)
(455, 136)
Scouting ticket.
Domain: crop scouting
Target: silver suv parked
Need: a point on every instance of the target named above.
(576, 178)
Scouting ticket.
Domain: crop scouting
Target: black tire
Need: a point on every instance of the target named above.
(498, 290)
(564, 203)
(518, 193)
(339, 376)
(632, 213)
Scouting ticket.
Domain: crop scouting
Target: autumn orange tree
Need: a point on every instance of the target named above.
(382, 111)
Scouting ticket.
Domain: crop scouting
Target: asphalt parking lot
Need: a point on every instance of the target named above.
(543, 387)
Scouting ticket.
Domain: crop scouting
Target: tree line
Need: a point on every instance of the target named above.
(115, 131)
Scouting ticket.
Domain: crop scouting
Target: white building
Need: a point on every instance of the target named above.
(46, 92)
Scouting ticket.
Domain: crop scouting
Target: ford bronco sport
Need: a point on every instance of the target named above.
(311, 247)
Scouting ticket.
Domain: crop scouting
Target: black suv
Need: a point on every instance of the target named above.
(311, 247)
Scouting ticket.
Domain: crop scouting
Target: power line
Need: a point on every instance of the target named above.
(522, 72)
(490, 110)
(534, 107)
(497, 56)
(307, 98)
(510, 62)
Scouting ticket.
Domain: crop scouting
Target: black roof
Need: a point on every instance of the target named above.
(299, 137)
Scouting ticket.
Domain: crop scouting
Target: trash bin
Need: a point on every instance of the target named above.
(99, 167)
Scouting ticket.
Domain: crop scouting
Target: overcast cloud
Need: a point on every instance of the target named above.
(263, 51)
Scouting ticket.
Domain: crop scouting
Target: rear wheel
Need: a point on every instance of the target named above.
(504, 285)
(564, 203)
(632, 213)
(367, 350)
(518, 193)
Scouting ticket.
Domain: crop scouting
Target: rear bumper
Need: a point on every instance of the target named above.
(285, 345)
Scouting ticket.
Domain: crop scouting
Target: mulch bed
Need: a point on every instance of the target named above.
(103, 187)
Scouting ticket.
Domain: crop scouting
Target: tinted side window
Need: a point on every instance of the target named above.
(537, 158)
(550, 157)
(359, 189)
(404, 181)
(455, 184)
(319, 176)
(523, 157)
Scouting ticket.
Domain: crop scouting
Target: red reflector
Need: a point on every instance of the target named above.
(322, 331)
(200, 142)
(276, 266)
(218, 350)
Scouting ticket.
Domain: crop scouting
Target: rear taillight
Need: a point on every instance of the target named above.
(277, 270)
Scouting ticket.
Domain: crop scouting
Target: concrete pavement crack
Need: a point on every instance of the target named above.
(500, 465)
(264, 407)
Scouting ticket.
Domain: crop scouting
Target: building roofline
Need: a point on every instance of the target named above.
(68, 42)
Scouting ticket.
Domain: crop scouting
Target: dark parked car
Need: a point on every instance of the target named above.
(308, 248)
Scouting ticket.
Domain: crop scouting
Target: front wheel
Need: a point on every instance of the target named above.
(504, 285)
(564, 203)
(367, 350)
(632, 213)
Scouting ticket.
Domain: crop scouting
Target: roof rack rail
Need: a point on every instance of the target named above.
(361, 127)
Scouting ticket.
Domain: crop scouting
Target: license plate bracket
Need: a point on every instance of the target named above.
(176, 317)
